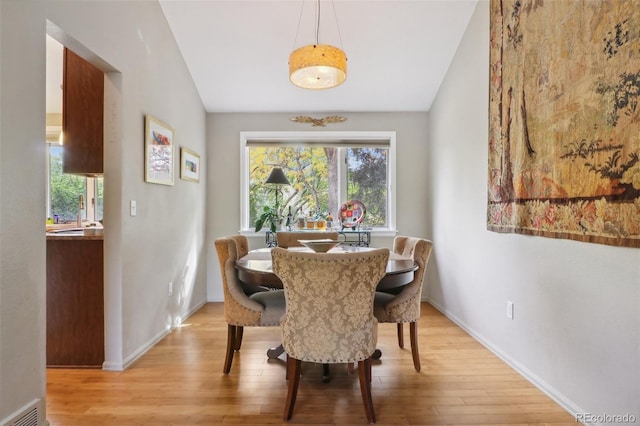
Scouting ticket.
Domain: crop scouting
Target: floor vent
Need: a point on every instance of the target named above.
(25, 417)
(30, 418)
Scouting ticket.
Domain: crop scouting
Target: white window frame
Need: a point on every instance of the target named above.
(319, 137)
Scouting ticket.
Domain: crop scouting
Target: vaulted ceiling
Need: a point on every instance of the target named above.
(237, 52)
(398, 51)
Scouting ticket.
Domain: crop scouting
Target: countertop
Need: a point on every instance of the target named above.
(73, 234)
(78, 236)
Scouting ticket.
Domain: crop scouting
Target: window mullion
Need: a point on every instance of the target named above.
(342, 175)
(49, 214)
(90, 204)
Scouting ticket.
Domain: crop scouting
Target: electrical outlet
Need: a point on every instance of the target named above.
(170, 288)
(509, 309)
(133, 207)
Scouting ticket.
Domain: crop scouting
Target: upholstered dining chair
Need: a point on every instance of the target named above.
(260, 309)
(290, 239)
(329, 313)
(404, 307)
(242, 248)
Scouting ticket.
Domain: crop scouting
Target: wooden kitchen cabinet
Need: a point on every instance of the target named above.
(75, 303)
(82, 116)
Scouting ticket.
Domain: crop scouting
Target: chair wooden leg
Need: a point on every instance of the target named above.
(326, 373)
(286, 369)
(400, 335)
(413, 335)
(364, 372)
(351, 367)
(293, 372)
(231, 344)
(239, 332)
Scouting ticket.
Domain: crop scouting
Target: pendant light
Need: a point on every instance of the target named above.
(317, 66)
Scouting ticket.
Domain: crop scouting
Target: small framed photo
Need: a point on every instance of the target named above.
(189, 165)
(158, 152)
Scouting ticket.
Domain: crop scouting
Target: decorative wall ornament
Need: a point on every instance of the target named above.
(564, 120)
(319, 122)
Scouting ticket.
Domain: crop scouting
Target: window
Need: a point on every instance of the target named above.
(63, 191)
(325, 170)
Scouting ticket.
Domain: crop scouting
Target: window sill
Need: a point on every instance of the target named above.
(374, 232)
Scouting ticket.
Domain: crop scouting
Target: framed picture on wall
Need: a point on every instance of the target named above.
(158, 152)
(189, 165)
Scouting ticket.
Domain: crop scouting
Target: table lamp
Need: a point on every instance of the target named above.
(277, 178)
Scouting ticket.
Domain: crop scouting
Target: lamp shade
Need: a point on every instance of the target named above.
(277, 177)
(317, 66)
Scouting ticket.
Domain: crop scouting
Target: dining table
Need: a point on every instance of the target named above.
(255, 268)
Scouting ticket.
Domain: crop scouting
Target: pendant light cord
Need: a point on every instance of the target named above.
(318, 22)
(337, 26)
(295, 40)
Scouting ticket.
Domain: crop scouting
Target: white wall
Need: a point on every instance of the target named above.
(223, 135)
(22, 210)
(576, 331)
(164, 242)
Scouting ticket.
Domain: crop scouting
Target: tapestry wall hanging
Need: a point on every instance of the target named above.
(564, 120)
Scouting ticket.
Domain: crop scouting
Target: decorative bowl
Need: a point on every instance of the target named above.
(319, 246)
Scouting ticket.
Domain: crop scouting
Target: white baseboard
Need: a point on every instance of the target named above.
(111, 366)
(535, 380)
(145, 347)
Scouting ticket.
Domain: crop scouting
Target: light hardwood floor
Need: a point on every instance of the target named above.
(180, 382)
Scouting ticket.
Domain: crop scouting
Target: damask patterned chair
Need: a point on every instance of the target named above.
(405, 305)
(329, 315)
(242, 248)
(290, 239)
(260, 309)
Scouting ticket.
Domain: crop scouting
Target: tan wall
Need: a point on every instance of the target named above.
(163, 243)
(223, 136)
(576, 323)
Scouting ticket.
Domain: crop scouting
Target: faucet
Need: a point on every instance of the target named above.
(80, 208)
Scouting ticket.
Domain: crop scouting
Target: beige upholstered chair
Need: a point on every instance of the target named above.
(329, 315)
(260, 309)
(405, 305)
(242, 248)
(290, 239)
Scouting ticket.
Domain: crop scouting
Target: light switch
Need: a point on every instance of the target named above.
(133, 208)
(509, 309)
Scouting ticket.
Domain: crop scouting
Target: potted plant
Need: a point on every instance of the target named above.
(269, 217)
